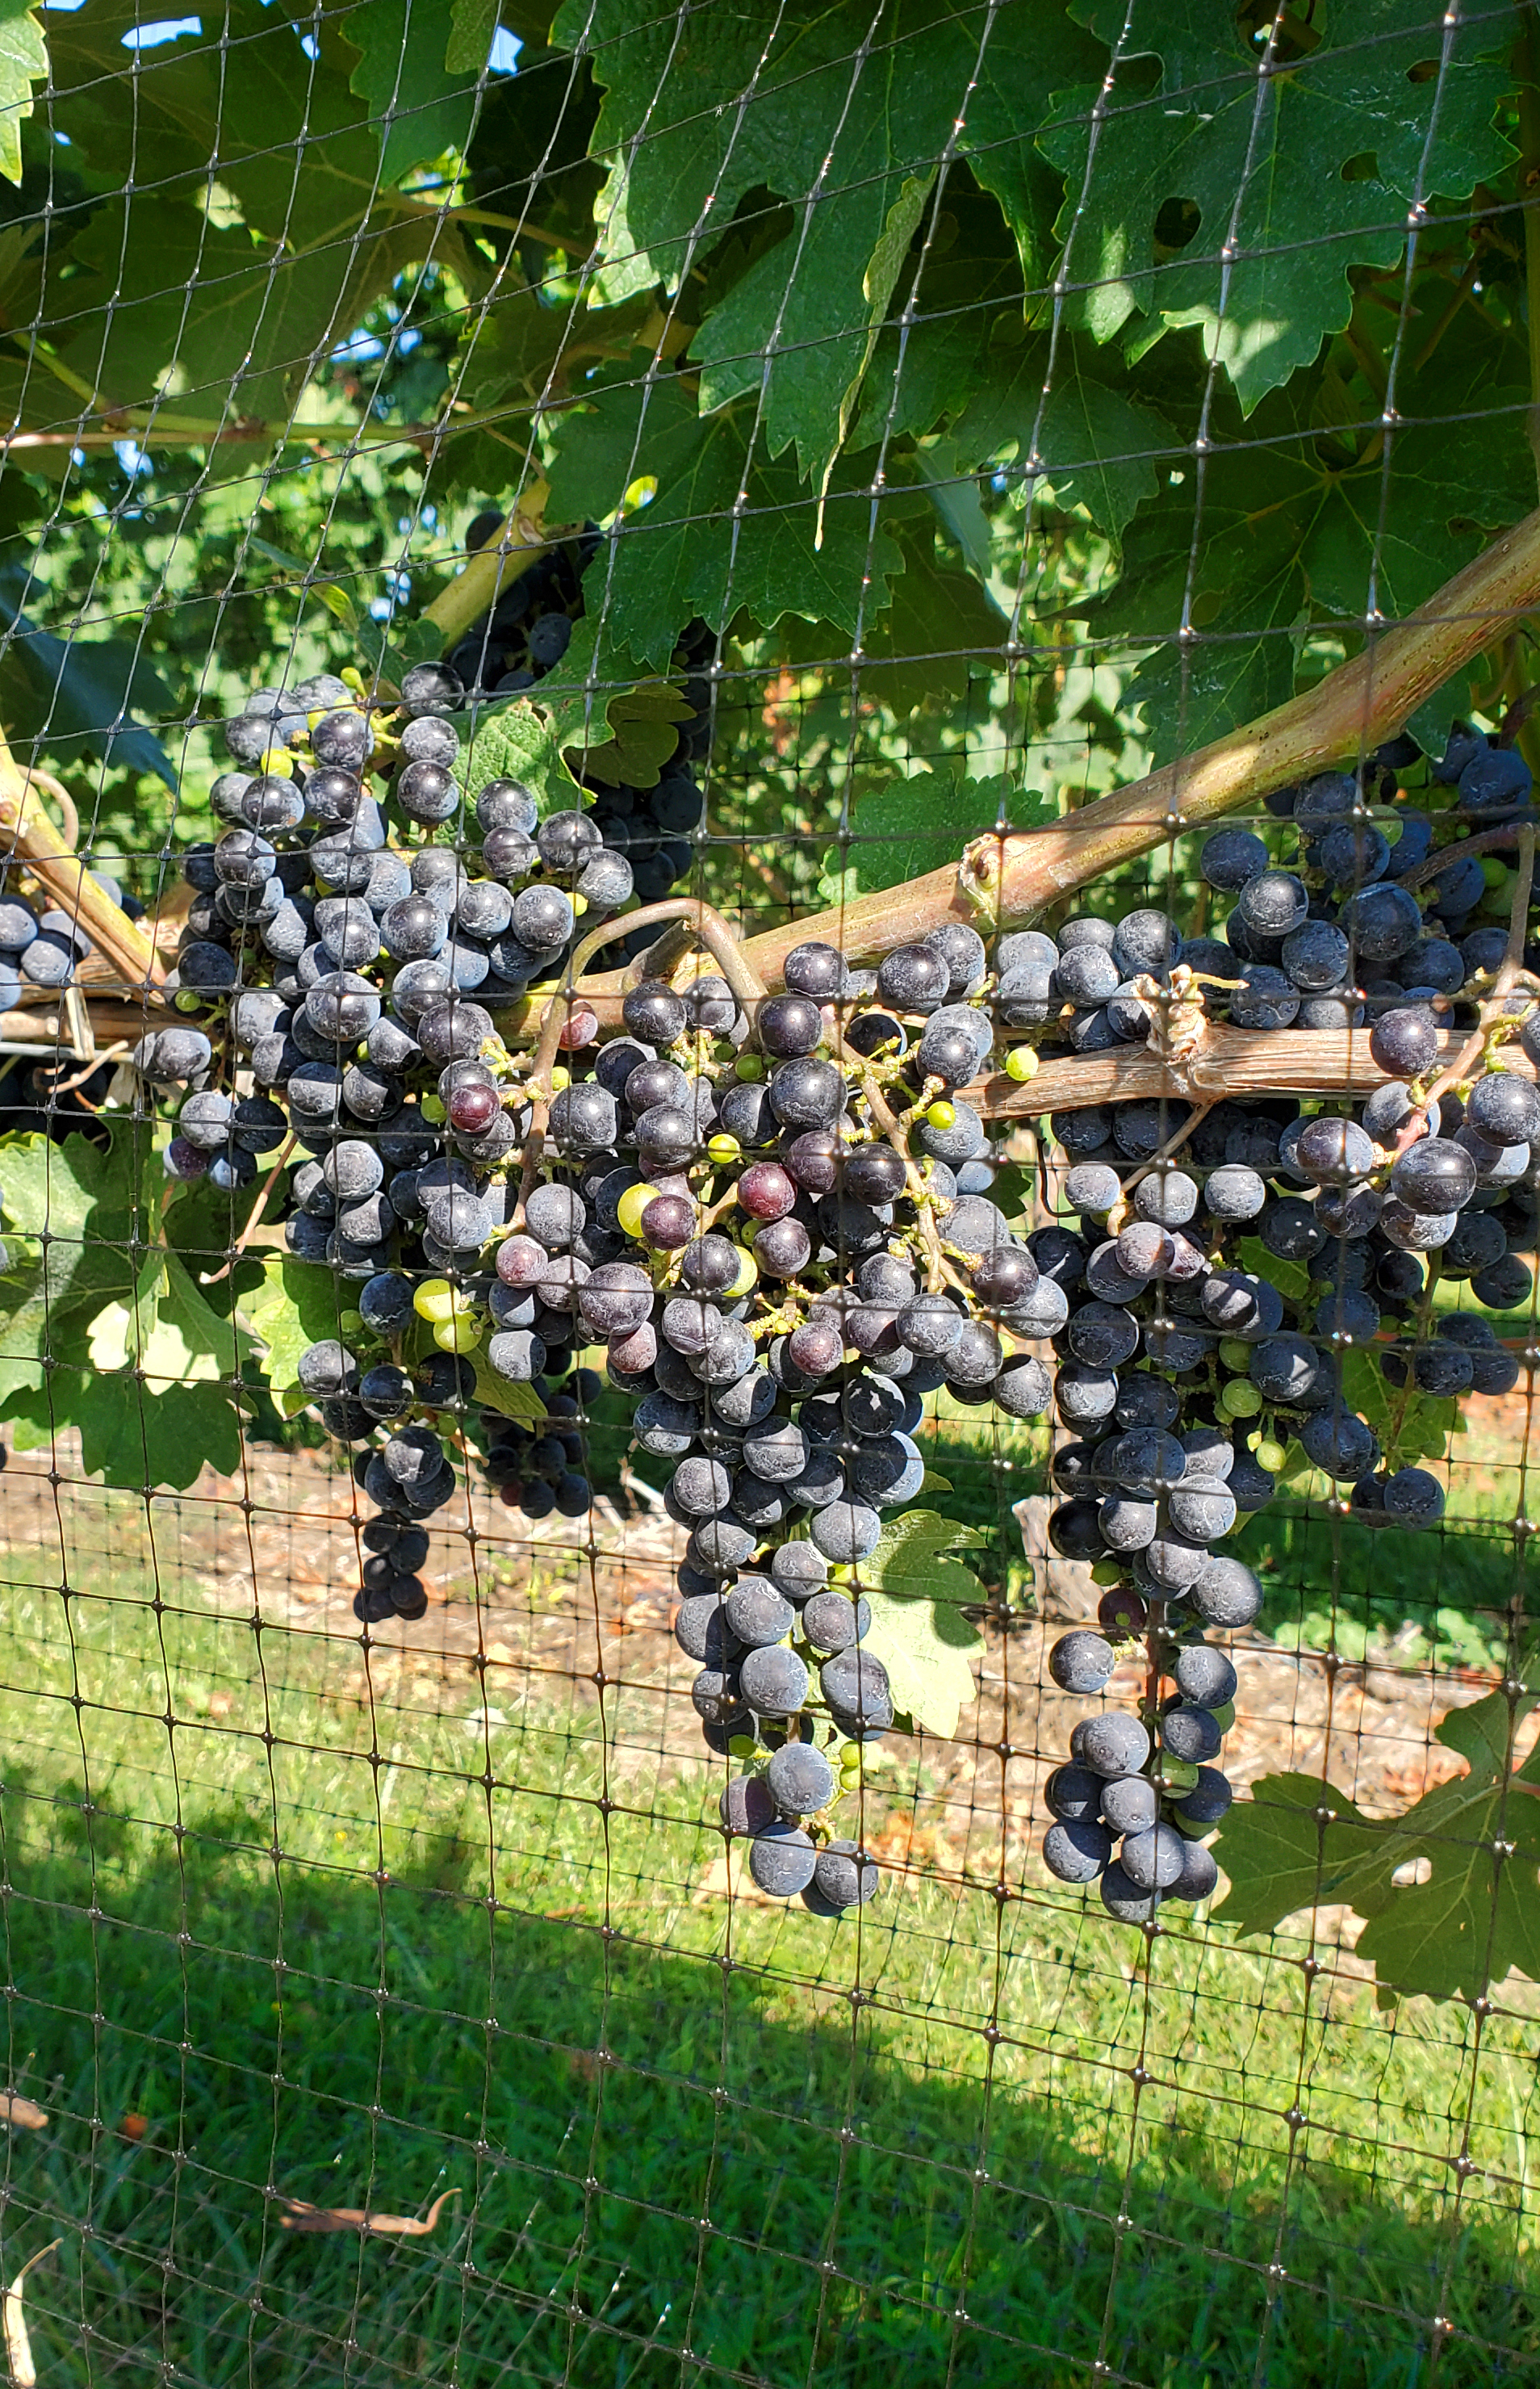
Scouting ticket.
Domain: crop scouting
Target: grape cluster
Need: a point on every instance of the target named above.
(775, 1214)
(337, 995)
(1183, 1372)
(803, 1264)
(525, 635)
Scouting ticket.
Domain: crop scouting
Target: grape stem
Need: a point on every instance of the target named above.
(937, 1273)
(280, 1162)
(692, 913)
(524, 537)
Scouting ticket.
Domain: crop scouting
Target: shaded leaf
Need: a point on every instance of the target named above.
(1094, 446)
(692, 550)
(74, 696)
(421, 105)
(174, 307)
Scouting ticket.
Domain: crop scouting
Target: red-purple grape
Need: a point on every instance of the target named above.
(765, 1190)
(669, 1222)
(520, 1262)
(472, 1109)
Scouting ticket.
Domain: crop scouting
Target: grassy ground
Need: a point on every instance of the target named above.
(270, 1928)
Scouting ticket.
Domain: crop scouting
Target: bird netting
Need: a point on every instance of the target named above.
(769, 993)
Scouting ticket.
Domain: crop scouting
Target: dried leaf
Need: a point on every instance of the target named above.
(18, 2346)
(301, 2216)
(13, 2109)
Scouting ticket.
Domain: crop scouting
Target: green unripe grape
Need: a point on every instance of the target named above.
(748, 1068)
(350, 1324)
(1235, 1356)
(435, 1300)
(742, 1745)
(746, 1279)
(1224, 1716)
(187, 1001)
(1239, 1398)
(942, 1115)
(1106, 1571)
(1271, 1454)
(632, 1203)
(725, 1150)
(433, 1110)
(1178, 1775)
(1494, 872)
(460, 1334)
(1021, 1064)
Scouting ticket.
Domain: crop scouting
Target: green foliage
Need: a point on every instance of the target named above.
(912, 826)
(1298, 1844)
(297, 1305)
(23, 62)
(1306, 173)
(917, 1594)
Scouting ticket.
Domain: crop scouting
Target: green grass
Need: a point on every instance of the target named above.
(804, 2156)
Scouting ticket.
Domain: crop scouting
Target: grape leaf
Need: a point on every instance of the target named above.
(514, 742)
(693, 548)
(917, 825)
(1282, 1853)
(169, 1331)
(1092, 445)
(1266, 270)
(421, 104)
(1478, 1913)
(496, 1393)
(298, 1305)
(916, 1594)
(1291, 1278)
(596, 687)
(851, 133)
(71, 1209)
(23, 62)
(472, 26)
